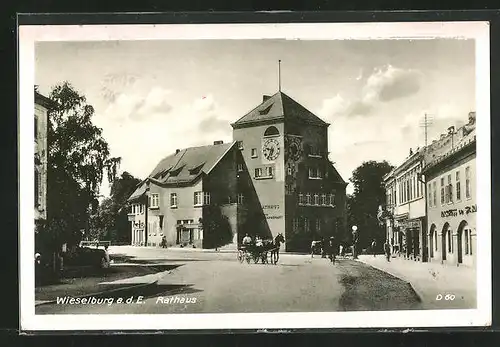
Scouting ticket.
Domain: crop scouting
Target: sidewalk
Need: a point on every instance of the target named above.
(119, 279)
(432, 280)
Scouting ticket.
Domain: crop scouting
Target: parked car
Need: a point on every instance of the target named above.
(86, 255)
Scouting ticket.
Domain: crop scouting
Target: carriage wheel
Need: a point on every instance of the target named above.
(256, 258)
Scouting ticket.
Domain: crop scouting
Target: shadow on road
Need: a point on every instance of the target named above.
(122, 258)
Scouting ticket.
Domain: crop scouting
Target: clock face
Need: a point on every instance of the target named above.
(271, 149)
(294, 149)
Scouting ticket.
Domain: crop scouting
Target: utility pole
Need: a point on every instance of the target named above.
(426, 123)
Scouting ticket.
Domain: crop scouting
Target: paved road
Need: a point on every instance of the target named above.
(219, 284)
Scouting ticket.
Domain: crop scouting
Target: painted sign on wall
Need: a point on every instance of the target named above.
(459, 212)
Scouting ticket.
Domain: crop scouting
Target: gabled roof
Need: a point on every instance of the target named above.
(279, 107)
(184, 166)
(44, 101)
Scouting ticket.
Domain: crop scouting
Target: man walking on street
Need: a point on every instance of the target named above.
(387, 251)
(374, 245)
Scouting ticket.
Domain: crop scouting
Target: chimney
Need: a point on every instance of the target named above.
(265, 97)
(177, 151)
(219, 142)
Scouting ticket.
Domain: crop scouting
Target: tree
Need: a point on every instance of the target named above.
(110, 221)
(77, 160)
(368, 195)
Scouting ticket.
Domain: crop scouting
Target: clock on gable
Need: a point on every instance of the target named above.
(271, 149)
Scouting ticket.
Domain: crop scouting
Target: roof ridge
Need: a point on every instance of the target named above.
(256, 107)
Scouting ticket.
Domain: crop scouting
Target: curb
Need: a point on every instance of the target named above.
(104, 292)
(417, 292)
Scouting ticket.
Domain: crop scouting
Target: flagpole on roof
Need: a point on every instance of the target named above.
(279, 75)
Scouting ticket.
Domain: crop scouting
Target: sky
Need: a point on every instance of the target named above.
(152, 97)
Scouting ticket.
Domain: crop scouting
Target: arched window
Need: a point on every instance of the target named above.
(272, 130)
(450, 243)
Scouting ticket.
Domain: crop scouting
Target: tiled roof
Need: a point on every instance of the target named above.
(279, 106)
(185, 166)
(44, 101)
(466, 142)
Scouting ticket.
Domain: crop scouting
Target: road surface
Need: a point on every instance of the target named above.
(217, 283)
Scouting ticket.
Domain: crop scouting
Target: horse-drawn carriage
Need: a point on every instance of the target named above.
(267, 252)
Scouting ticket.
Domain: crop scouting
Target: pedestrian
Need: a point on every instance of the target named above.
(387, 251)
(332, 249)
(374, 245)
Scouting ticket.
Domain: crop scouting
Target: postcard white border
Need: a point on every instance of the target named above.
(481, 316)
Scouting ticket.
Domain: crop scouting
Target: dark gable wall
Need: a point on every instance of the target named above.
(221, 182)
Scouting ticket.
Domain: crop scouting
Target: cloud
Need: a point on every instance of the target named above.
(382, 86)
(213, 123)
(391, 83)
(144, 129)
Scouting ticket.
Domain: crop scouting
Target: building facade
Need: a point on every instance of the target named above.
(411, 195)
(275, 178)
(406, 202)
(285, 152)
(42, 106)
(190, 199)
(452, 207)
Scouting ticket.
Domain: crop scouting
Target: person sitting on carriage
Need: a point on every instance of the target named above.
(258, 242)
(247, 241)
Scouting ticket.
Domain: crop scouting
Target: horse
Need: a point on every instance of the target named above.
(275, 251)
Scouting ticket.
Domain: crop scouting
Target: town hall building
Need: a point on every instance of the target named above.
(275, 177)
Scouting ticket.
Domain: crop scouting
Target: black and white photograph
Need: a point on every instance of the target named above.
(249, 176)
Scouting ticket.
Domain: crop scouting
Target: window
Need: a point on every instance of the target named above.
(442, 190)
(450, 190)
(434, 193)
(288, 189)
(289, 170)
(467, 241)
(258, 172)
(315, 173)
(316, 199)
(36, 127)
(301, 199)
(269, 171)
(240, 145)
(240, 198)
(418, 186)
(38, 189)
(308, 199)
(457, 184)
(153, 202)
(331, 199)
(318, 225)
(306, 224)
(254, 152)
(450, 243)
(410, 189)
(467, 182)
(198, 198)
(141, 209)
(206, 198)
(173, 200)
(240, 167)
(323, 199)
(430, 194)
(314, 151)
(272, 130)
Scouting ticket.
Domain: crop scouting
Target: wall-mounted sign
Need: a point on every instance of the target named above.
(459, 212)
(271, 207)
(273, 217)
